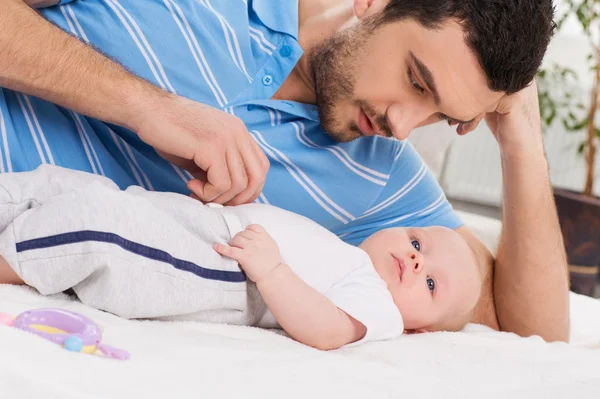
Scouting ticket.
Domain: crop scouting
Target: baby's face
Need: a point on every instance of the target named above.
(431, 273)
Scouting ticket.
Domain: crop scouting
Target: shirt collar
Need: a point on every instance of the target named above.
(302, 110)
(278, 15)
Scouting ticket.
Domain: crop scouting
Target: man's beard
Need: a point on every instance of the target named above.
(332, 63)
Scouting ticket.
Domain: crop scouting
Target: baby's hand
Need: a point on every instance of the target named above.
(254, 249)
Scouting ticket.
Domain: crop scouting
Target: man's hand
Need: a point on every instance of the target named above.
(48, 63)
(518, 112)
(215, 147)
(255, 250)
(516, 123)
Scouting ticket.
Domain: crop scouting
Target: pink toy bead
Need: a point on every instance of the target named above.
(6, 319)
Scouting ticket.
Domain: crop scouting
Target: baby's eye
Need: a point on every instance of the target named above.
(416, 245)
(430, 284)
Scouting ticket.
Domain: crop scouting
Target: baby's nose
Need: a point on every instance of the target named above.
(416, 262)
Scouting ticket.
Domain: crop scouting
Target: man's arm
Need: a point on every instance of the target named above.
(530, 278)
(40, 59)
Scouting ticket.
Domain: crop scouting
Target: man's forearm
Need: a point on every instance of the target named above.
(530, 279)
(38, 58)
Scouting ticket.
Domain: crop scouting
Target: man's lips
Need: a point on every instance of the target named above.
(366, 125)
(400, 266)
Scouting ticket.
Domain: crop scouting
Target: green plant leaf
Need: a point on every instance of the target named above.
(581, 148)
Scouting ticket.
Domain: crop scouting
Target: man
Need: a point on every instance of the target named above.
(372, 67)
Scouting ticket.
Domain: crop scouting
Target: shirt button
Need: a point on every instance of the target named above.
(285, 51)
(250, 107)
(267, 80)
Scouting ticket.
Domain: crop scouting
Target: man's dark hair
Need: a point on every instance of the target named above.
(509, 37)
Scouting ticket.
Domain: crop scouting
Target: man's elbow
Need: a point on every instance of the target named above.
(559, 333)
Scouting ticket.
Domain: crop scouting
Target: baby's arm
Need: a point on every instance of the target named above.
(303, 312)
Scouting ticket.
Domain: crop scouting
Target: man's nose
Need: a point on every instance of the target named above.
(415, 262)
(403, 118)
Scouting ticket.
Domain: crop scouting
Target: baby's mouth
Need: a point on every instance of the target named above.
(400, 266)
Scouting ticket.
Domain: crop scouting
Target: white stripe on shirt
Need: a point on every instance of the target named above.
(262, 37)
(87, 145)
(139, 45)
(31, 129)
(5, 146)
(79, 28)
(400, 193)
(264, 199)
(136, 164)
(68, 19)
(39, 129)
(339, 153)
(236, 55)
(401, 150)
(117, 141)
(306, 188)
(283, 159)
(430, 209)
(196, 51)
(147, 45)
(260, 44)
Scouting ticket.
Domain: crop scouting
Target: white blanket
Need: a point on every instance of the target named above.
(187, 360)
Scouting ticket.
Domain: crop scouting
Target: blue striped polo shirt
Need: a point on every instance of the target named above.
(232, 55)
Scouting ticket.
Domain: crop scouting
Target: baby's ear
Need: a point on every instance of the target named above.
(417, 331)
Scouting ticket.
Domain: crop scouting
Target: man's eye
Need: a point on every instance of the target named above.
(416, 245)
(430, 284)
(414, 83)
(443, 117)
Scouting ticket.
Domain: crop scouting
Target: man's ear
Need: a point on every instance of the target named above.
(366, 8)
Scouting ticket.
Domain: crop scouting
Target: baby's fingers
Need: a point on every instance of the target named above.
(257, 228)
(230, 252)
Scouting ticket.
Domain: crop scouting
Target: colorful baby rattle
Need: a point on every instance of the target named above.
(76, 333)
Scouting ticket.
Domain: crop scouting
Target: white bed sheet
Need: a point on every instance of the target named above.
(189, 360)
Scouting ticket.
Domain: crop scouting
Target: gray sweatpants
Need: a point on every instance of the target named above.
(134, 253)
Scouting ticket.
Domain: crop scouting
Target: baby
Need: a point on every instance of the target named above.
(141, 254)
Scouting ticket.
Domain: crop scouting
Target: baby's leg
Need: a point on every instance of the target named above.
(7, 274)
(20, 192)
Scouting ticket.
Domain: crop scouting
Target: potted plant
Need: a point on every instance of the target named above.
(579, 212)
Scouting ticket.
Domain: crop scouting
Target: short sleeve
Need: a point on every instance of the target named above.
(412, 197)
(363, 295)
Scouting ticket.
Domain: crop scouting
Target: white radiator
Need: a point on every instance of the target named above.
(473, 172)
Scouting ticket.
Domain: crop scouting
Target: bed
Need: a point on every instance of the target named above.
(191, 360)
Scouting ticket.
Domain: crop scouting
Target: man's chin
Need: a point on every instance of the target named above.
(343, 135)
